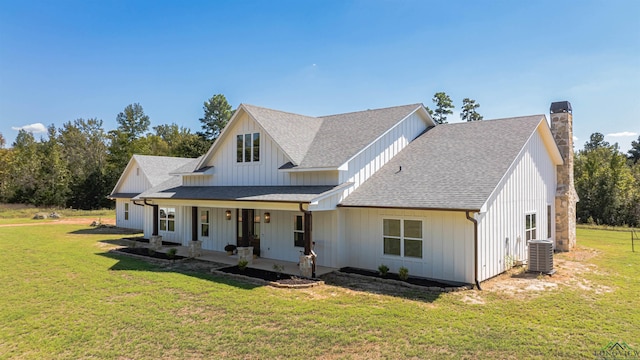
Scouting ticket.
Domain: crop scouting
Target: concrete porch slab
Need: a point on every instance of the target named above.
(290, 268)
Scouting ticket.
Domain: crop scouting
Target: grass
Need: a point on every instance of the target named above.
(64, 296)
(10, 213)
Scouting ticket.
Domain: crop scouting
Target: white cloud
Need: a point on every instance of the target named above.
(623, 134)
(32, 128)
(575, 138)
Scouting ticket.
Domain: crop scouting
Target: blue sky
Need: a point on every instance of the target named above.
(63, 60)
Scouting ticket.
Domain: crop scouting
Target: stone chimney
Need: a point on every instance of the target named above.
(566, 196)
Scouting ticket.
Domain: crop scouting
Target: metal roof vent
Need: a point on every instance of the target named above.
(560, 107)
(541, 256)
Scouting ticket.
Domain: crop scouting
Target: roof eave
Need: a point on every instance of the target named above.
(411, 207)
(310, 169)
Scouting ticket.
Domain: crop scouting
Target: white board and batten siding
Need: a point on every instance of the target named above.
(134, 182)
(182, 230)
(447, 244)
(135, 218)
(527, 187)
(366, 163)
(228, 172)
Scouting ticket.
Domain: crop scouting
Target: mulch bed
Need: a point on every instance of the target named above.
(268, 275)
(150, 253)
(146, 241)
(392, 276)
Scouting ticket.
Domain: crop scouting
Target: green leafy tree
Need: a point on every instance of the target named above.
(217, 113)
(132, 121)
(181, 141)
(52, 177)
(2, 141)
(25, 161)
(469, 112)
(84, 151)
(127, 139)
(634, 152)
(6, 168)
(605, 184)
(444, 107)
(596, 140)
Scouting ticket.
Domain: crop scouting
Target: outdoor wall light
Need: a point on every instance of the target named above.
(267, 218)
(228, 214)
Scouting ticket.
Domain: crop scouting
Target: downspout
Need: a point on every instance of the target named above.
(475, 247)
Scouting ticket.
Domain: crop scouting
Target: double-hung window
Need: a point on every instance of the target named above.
(248, 147)
(548, 221)
(204, 223)
(402, 237)
(530, 227)
(298, 231)
(126, 211)
(167, 219)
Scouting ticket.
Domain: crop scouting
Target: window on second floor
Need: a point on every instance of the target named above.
(248, 147)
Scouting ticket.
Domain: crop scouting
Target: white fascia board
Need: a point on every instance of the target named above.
(551, 153)
(296, 169)
(122, 176)
(549, 142)
(421, 110)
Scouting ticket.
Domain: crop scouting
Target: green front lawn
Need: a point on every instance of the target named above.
(64, 296)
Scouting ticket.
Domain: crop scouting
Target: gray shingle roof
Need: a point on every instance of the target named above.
(327, 141)
(173, 190)
(157, 168)
(342, 136)
(451, 166)
(292, 132)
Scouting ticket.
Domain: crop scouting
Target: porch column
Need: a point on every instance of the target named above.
(155, 220)
(194, 223)
(307, 232)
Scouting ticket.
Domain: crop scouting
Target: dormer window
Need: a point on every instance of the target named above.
(248, 147)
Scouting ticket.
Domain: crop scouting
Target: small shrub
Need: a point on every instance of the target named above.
(171, 253)
(242, 264)
(403, 273)
(383, 270)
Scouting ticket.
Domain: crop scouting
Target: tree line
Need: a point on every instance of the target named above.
(78, 164)
(608, 183)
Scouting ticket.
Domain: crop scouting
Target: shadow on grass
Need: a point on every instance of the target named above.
(194, 268)
(388, 288)
(105, 230)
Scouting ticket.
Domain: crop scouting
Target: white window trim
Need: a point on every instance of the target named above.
(532, 229)
(126, 211)
(200, 223)
(167, 219)
(260, 147)
(295, 231)
(402, 237)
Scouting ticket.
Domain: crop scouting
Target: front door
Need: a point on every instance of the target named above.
(248, 229)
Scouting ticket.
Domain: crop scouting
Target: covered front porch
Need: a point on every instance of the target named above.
(286, 267)
(276, 223)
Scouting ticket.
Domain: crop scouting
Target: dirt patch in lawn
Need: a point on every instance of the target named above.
(517, 283)
(64, 221)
